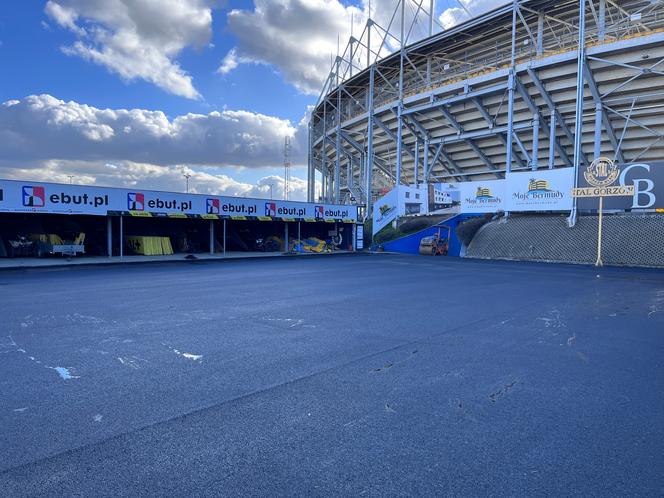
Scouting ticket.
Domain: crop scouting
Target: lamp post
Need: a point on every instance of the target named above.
(186, 176)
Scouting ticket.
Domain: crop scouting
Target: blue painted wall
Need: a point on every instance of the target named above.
(410, 244)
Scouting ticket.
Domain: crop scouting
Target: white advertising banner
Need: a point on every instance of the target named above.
(385, 210)
(40, 197)
(482, 197)
(541, 190)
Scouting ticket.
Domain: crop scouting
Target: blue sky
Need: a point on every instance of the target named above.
(38, 65)
(130, 92)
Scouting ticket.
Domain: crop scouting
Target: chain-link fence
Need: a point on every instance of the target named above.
(629, 239)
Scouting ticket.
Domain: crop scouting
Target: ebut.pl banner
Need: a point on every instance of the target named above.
(40, 197)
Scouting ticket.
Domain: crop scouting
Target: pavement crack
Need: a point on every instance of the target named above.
(501, 392)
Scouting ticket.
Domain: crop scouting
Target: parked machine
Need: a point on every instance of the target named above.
(438, 244)
(44, 244)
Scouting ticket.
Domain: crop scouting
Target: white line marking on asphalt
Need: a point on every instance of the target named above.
(65, 373)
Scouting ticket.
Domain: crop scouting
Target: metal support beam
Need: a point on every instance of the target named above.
(510, 98)
(475, 134)
(594, 91)
(540, 33)
(121, 237)
(311, 172)
(536, 131)
(417, 160)
(553, 141)
(463, 97)
(449, 160)
(370, 152)
(578, 123)
(467, 137)
(491, 122)
(599, 114)
(337, 163)
(436, 155)
(400, 110)
(391, 134)
(550, 130)
(323, 167)
(553, 109)
(224, 237)
(425, 166)
(601, 25)
(286, 245)
(109, 236)
(211, 236)
(522, 147)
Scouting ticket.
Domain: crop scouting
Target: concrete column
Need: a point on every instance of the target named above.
(425, 166)
(510, 101)
(417, 159)
(211, 236)
(224, 234)
(121, 237)
(370, 152)
(109, 236)
(602, 21)
(598, 130)
(536, 130)
(540, 33)
(286, 237)
(552, 141)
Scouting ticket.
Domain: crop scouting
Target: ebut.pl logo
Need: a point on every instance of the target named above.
(319, 212)
(34, 196)
(135, 201)
(212, 206)
(270, 209)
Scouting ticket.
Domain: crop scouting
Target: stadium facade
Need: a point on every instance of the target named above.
(533, 84)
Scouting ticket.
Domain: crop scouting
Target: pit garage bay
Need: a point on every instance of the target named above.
(47, 219)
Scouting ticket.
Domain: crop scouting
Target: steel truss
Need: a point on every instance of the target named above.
(506, 91)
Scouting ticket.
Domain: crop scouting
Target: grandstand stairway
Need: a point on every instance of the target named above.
(629, 239)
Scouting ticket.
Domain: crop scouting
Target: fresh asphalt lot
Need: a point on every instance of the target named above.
(377, 375)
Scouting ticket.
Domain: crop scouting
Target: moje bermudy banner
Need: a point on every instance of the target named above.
(482, 197)
(540, 190)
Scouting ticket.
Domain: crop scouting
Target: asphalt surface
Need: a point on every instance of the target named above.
(374, 375)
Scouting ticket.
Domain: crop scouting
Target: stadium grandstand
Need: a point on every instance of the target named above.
(530, 85)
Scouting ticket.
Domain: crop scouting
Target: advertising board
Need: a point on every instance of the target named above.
(482, 197)
(648, 182)
(41, 197)
(541, 190)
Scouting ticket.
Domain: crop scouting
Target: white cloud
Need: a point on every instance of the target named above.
(41, 127)
(298, 36)
(137, 39)
(454, 15)
(150, 176)
(229, 63)
(64, 16)
(43, 138)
